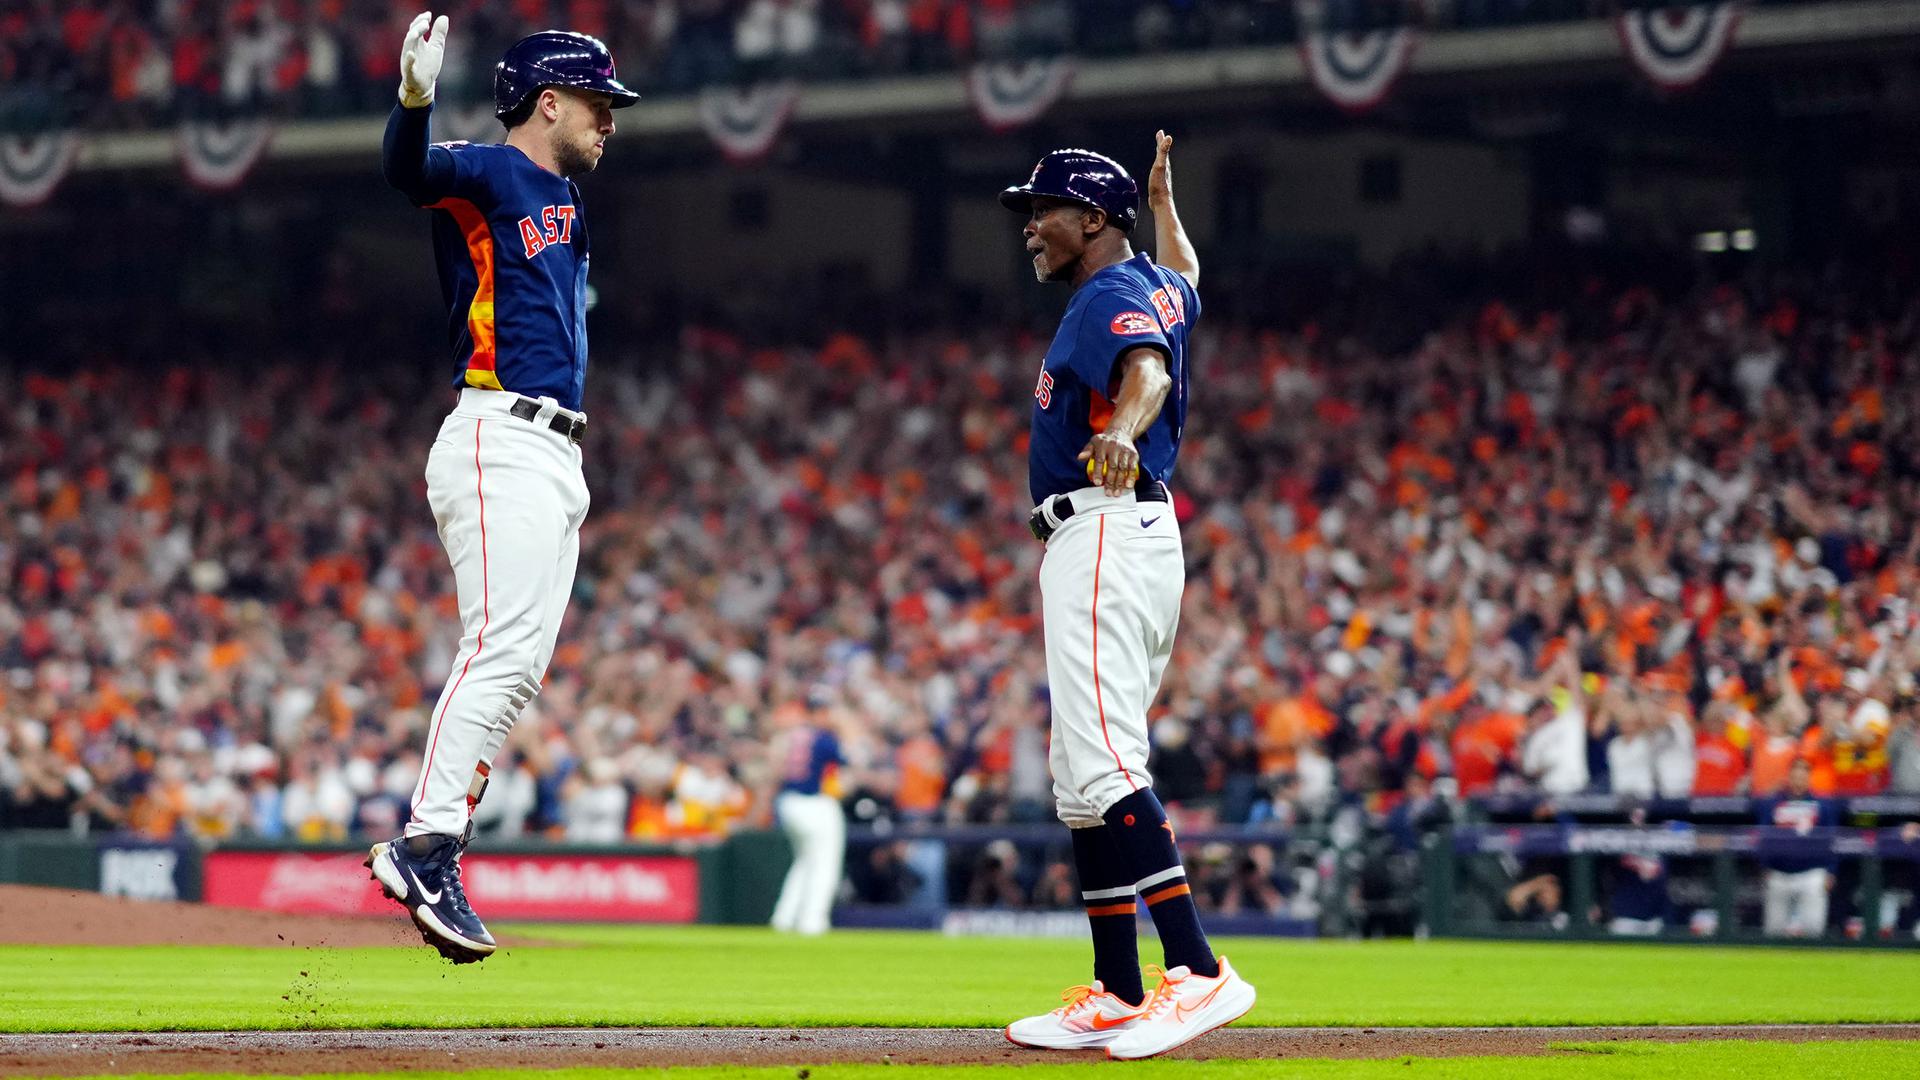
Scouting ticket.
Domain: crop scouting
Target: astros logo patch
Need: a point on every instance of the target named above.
(1134, 322)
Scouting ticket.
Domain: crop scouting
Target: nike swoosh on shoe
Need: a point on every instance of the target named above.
(429, 897)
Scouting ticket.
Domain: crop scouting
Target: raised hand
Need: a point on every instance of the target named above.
(420, 59)
(1160, 179)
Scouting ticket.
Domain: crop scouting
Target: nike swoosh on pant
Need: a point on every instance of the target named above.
(1146, 523)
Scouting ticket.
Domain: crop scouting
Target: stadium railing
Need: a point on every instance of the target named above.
(1687, 882)
(943, 863)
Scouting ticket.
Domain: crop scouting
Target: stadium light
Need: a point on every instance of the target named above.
(1710, 242)
(1744, 240)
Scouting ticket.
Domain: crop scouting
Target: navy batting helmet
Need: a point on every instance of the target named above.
(555, 58)
(1084, 177)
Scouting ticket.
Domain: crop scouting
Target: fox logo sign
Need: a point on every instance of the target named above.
(554, 227)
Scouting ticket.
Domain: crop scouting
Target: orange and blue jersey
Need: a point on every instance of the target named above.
(511, 245)
(812, 762)
(1120, 308)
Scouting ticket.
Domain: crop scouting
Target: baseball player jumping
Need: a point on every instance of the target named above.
(1107, 419)
(504, 475)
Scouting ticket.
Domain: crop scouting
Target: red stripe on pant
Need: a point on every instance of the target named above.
(1099, 702)
(486, 617)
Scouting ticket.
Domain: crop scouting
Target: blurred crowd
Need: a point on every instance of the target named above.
(129, 63)
(1658, 542)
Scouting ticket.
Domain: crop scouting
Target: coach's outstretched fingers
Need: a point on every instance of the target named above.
(1160, 178)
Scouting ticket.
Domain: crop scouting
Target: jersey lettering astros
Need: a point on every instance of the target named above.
(512, 250)
(1121, 308)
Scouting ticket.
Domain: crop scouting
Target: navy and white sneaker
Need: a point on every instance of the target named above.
(422, 873)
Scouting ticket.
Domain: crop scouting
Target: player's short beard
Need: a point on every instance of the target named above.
(1044, 273)
(572, 158)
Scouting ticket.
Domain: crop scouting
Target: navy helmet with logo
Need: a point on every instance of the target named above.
(555, 58)
(1084, 177)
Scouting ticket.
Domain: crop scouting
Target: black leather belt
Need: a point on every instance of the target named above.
(574, 430)
(1061, 508)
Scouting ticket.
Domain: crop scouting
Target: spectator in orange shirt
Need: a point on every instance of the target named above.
(1288, 724)
(922, 767)
(1778, 745)
(1483, 746)
(1824, 742)
(1721, 739)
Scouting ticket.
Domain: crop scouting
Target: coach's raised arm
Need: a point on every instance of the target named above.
(1170, 244)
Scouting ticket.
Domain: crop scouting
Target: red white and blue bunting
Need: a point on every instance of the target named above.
(32, 166)
(1012, 93)
(466, 123)
(217, 155)
(1676, 46)
(745, 122)
(1354, 70)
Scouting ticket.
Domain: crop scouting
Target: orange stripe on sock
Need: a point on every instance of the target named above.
(1112, 909)
(1167, 893)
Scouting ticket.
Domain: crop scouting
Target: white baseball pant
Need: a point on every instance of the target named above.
(509, 497)
(1110, 588)
(817, 828)
(1796, 903)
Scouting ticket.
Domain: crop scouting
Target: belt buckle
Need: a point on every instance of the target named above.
(568, 428)
(1037, 523)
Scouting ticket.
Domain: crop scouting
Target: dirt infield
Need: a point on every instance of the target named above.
(44, 916)
(30, 915)
(546, 1048)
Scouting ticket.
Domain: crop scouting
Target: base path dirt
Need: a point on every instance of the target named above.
(32, 915)
(547, 1048)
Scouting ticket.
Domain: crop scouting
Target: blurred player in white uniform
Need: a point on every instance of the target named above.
(808, 811)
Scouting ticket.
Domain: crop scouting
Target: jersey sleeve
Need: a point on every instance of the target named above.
(467, 176)
(1114, 322)
(426, 174)
(1191, 295)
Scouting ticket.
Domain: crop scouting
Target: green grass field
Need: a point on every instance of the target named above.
(719, 976)
(1694, 1061)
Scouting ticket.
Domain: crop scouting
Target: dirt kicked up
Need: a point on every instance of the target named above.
(293, 1052)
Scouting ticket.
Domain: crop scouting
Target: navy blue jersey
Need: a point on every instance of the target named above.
(1120, 308)
(1639, 888)
(1802, 816)
(812, 755)
(511, 244)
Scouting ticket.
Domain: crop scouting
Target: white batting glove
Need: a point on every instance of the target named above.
(420, 59)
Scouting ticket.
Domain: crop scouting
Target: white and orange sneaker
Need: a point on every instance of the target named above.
(1091, 1018)
(1182, 1008)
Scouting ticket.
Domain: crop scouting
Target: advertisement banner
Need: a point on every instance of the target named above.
(143, 869)
(548, 888)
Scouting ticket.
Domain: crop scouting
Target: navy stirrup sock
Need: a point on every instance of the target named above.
(1107, 890)
(1144, 843)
